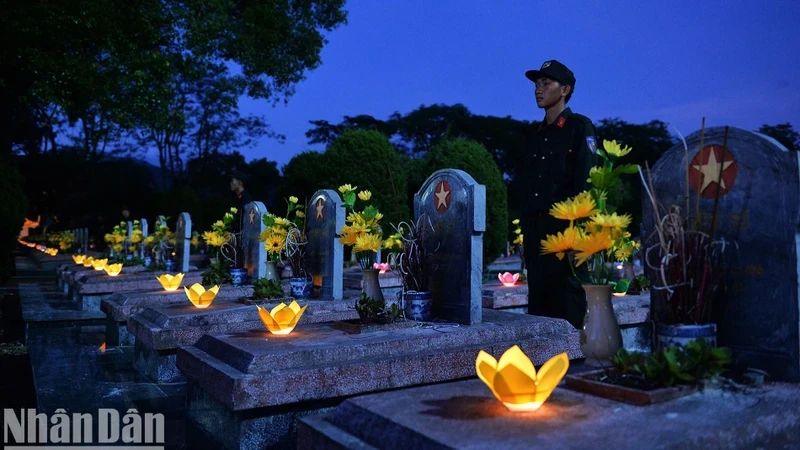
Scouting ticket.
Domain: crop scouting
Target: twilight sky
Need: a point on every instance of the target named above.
(736, 62)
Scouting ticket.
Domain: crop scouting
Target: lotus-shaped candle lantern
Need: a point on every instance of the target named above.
(78, 258)
(88, 261)
(113, 269)
(199, 296)
(508, 279)
(382, 267)
(169, 282)
(99, 264)
(514, 381)
(282, 319)
(51, 251)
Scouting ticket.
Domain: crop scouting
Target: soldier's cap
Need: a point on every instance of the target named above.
(554, 70)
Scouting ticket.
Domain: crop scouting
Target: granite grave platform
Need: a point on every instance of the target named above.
(159, 331)
(119, 306)
(89, 292)
(247, 389)
(465, 415)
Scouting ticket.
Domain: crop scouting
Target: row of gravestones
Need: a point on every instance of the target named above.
(451, 199)
(81, 239)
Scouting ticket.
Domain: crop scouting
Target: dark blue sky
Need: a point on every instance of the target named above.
(735, 62)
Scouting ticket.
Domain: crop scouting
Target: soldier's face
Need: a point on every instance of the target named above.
(549, 92)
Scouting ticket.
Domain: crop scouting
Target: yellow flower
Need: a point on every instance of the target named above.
(214, 238)
(610, 220)
(355, 217)
(280, 221)
(218, 224)
(293, 199)
(518, 231)
(560, 243)
(274, 244)
(347, 188)
(348, 238)
(365, 195)
(590, 244)
(515, 221)
(519, 240)
(615, 149)
(300, 214)
(234, 210)
(578, 207)
(367, 242)
(194, 241)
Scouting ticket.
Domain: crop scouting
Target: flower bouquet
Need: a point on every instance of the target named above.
(229, 258)
(595, 235)
(116, 239)
(362, 232)
(286, 237)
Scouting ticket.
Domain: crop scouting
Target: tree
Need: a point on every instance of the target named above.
(304, 174)
(783, 133)
(473, 158)
(368, 160)
(12, 213)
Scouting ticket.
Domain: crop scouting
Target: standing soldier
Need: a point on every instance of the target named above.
(557, 163)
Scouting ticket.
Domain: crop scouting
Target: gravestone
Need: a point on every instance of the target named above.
(255, 255)
(758, 209)
(456, 206)
(325, 217)
(129, 230)
(145, 230)
(183, 236)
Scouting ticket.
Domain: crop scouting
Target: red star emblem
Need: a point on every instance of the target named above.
(713, 169)
(319, 209)
(442, 196)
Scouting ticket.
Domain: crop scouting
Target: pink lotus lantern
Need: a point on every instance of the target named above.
(383, 267)
(507, 278)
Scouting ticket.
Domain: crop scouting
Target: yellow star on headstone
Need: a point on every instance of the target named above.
(441, 197)
(320, 208)
(711, 171)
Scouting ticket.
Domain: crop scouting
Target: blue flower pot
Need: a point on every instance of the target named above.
(169, 265)
(129, 257)
(238, 277)
(418, 305)
(147, 261)
(680, 335)
(301, 287)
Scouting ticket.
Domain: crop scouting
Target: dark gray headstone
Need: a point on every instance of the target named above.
(145, 230)
(759, 210)
(456, 205)
(183, 236)
(85, 242)
(324, 218)
(129, 229)
(255, 255)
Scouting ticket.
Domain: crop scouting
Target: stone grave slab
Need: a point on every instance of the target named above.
(159, 331)
(757, 182)
(89, 292)
(325, 217)
(255, 255)
(506, 298)
(465, 415)
(119, 306)
(456, 206)
(183, 237)
(241, 379)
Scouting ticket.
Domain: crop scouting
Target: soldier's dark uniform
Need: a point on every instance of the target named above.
(557, 163)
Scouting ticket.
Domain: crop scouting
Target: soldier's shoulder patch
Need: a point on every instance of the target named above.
(591, 142)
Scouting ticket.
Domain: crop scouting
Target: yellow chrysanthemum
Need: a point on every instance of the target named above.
(578, 207)
(214, 239)
(368, 242)
(515, 221)
(219, 224)
(593, 243)
(293, 199)
(347, 188)
(519, 240)
(300, 214)
(365, 195)
(560, 243)
(518, 231)
(610, 221)
(280, 221)
(348, 238)
(378, 216)
(612, 148)
(354, 217)
(274, 244)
